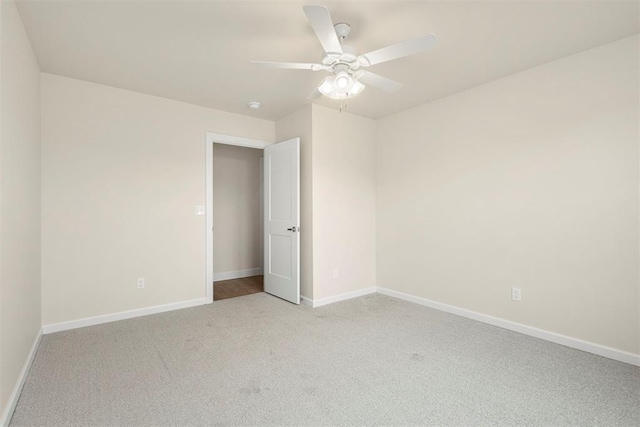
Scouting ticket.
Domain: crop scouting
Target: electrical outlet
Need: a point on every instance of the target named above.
(516, 294)
(335, 273)
(140, 282)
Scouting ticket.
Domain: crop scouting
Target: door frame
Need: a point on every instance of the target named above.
(210, 139)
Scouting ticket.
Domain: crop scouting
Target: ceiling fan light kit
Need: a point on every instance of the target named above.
(347, 79)
(340, 87)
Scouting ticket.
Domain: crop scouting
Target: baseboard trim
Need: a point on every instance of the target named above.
(600, 350)
(237, 274)
(122, 315)
(17, 389)
(589, 347)
(342, 297)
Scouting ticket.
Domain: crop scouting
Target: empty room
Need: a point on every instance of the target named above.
(319, 213)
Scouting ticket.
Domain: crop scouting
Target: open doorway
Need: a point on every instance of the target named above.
(280, 214)
(237, 221)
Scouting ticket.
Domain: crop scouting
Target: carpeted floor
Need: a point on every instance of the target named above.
(375, 360)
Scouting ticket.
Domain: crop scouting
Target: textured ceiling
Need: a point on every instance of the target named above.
(199, 51)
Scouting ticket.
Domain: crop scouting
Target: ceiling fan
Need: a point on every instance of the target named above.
(348, 77)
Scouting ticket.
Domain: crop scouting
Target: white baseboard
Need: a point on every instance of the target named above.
(122, 315)
(17, 389)
(238, 274)
(306, 301)
(341, 297)
(600, 350)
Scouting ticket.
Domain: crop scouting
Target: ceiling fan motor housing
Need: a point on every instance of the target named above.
(348, 57)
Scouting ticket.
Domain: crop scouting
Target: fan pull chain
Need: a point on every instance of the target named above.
(343, 103)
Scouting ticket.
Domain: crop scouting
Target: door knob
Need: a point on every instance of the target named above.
(292, 229)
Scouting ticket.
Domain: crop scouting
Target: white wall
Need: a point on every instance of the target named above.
(19, 200)
(121, 174)
(298, 124)
(529, 181)
(343, 202)
(237, 216)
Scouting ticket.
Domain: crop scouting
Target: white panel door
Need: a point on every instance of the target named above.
(282, 220)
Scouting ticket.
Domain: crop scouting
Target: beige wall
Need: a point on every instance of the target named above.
(343, 202)
(298, 124)
(19, 199)
(530, 181)
(122, 173)
(237, 217)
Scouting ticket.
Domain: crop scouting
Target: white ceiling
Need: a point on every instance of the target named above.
(199, 51)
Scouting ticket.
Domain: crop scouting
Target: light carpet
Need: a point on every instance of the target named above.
(374, 360)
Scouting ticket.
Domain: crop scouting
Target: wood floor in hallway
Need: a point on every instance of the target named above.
(237, 287)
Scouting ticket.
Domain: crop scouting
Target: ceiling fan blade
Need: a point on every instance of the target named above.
(291, 65)
(378, 81)
(316, 92)
(398, 50)
(314, 95)
(322, 24)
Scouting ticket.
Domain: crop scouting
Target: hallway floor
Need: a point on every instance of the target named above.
(237, 287)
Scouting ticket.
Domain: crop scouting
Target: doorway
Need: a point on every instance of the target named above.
(237, 221)
(210, 139)
(281, 214)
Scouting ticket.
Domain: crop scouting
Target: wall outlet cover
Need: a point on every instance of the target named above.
(516, 294)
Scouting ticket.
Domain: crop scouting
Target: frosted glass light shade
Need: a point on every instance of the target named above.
(340, 86)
